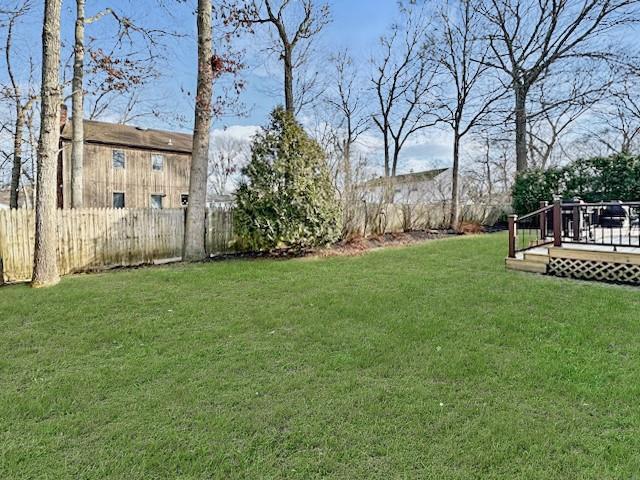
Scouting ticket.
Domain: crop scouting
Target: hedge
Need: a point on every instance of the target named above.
(593, 180)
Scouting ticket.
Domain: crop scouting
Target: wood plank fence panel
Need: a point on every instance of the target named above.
(377, 218)
(92, 238)
(219, 230)
(17, 230)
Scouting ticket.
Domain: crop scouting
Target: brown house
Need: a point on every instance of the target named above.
(127, 167)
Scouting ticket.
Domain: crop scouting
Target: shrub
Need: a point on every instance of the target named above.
(532, 187)
(604, 178)
(287, 199)
(593, 180)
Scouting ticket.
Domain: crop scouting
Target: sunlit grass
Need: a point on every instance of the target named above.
(423, 362)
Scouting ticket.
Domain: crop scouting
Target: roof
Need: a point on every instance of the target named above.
(407, 178)
(131, 136)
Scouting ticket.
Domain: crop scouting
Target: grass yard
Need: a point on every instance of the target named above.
(429, 361)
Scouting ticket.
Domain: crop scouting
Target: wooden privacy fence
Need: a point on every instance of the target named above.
(377, 218)
(94, 239)
(219, 229)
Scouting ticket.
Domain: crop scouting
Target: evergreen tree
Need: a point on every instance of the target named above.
(287, 198)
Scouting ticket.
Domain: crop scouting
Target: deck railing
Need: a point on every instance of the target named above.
(531, 230)
(614, 224)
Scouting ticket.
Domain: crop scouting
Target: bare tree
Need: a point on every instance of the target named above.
(615, 125)
(348, 101)
(114, 85)
(77, 109)
(403, 80)
(529, 38)
(461, 52)
(549, 128)
(22, 101)
(492, 162)
(296, 23)
(6, 154)
(346, 117)
(226, 158)
(29, 168)
(194, 234)
(45, 266)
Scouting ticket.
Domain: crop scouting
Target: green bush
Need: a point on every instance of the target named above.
(603, 179)
(593, 180)
(287, 199)
(532, 187)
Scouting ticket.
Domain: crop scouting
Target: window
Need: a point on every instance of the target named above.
(157, 162)
(118, 158)
(156, 201)
(184, 199)
(118, 200)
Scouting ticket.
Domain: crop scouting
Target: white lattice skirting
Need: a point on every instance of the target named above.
(593, 270)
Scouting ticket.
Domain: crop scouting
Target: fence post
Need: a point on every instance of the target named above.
(543, 220)
(512, 235)
(207, 214)
(557, 223)
(576, 221)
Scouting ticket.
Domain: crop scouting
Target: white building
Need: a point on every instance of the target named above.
(429, 186)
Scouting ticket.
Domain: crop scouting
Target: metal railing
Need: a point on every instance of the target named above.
(532, 230)
(615, 224)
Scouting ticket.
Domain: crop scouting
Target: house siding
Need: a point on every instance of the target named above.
(138, 181)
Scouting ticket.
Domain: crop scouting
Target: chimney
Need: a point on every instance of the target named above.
(63, 115)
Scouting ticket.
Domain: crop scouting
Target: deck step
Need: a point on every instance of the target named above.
(537, 258)
(526, 265)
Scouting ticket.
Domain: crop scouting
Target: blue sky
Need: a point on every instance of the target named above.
(356, 24)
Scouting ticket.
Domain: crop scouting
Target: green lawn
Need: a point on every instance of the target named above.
(423, 362)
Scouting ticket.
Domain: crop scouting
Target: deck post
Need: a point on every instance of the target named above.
(557, 223)
(543, 221)
(512, 235)
(576, 221)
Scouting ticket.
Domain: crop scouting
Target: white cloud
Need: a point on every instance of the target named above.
(241, 132)
(422, 151)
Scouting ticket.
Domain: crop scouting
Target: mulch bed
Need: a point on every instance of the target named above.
(346, 248)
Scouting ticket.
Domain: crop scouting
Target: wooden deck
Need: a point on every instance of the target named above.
(596, 241)
(589, 262)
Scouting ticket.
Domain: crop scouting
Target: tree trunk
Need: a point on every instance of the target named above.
(489, 180)
(77, 110)
(521, 128)
(455, 189)
(194, 233)
(45, 267)
(288, 80)
(396, 158)
(16, 169)
(346, 158)
(387, 156)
